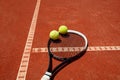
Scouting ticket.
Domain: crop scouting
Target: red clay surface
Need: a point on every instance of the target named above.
(99, 20)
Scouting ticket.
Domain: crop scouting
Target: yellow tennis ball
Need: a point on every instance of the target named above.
(54, 34)
(63, 29)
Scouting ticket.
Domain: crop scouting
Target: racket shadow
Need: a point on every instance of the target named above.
(57, 70)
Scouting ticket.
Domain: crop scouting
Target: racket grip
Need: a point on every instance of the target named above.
(46, 76)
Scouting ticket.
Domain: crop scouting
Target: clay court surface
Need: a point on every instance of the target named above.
(25, 27)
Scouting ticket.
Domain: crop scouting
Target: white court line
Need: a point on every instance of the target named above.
(69, 49)
(28, 46)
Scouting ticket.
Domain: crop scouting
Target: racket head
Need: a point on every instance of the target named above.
(67, 46)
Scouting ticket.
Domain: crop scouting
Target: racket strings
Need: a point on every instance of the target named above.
(68, 46)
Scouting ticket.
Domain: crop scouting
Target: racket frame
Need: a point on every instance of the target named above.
(65, 61)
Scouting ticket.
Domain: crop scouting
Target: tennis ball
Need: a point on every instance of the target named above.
(54, 34)
(63, 29)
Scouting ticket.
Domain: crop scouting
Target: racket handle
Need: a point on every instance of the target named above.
(46, 76)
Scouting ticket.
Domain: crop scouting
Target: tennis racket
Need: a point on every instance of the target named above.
(67, 48)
